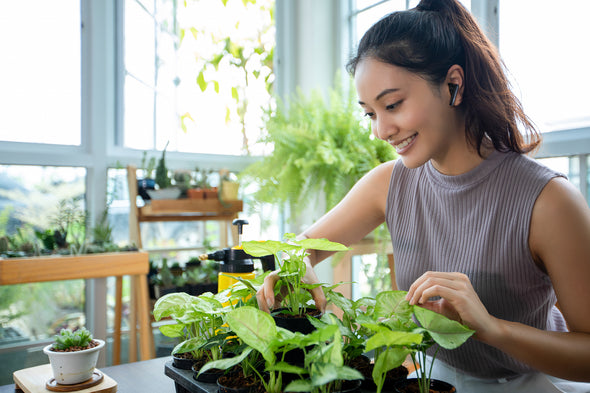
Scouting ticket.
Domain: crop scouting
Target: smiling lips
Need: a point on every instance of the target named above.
(405, 144)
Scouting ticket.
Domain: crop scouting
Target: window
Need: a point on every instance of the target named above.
(198, 75)
(41, 88)
(548, 60)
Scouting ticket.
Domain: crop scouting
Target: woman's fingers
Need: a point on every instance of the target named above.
(454, 297)
(266, 294)
(433, 284)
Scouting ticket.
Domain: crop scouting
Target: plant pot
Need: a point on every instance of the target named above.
(184, 381)
(350, 387)
(183, 361)
(195, 193)
(364, 365)
(295, 323)
(143, 185)
(229, 190)
(160, 291)
(209, 376)
(436, 386)
(353, 386)
(198, 289)
(236, 382)
(73, 367)
(165, 193)
(211, 193)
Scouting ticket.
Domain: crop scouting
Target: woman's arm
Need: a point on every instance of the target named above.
(559, 240)
(361, 211)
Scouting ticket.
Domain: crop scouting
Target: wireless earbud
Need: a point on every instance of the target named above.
(453, 89)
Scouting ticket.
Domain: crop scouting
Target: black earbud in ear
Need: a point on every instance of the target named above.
(453, 89)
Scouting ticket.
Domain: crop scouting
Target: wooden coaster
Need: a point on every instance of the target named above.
(35, 380)
(96, 378)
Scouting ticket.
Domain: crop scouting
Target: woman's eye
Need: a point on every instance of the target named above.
(393, 106)
(370, 115)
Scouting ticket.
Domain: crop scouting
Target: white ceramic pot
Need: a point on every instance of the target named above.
(73, 367)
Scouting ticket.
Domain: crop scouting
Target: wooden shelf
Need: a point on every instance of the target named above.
(71, 267)
(188, 210)
(88, 266)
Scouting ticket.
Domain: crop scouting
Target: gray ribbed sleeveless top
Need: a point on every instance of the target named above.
(476, 223)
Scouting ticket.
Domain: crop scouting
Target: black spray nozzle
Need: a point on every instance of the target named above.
(240, 223)
(235, 256)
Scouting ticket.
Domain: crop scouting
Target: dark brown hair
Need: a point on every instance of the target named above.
(437, 34)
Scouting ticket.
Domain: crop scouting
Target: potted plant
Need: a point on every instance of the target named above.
(73, 356)
(397, 335)
(167, 280)
(164, 190)
(296, 301)
(200, 276)
(320, 147)
(325, 370)
(198, 323)
(147, 182)
(355, 335)
(228, 186)
(260, 333)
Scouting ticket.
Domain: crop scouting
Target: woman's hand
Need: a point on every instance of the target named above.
(458, 300)
(266, 294)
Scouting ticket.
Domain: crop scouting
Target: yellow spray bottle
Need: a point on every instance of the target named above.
(235, 262)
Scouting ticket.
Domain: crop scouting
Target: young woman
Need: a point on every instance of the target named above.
(480, 232)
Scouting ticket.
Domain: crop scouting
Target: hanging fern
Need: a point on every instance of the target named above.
(318, 145)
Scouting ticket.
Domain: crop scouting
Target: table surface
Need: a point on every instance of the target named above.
(145, 376)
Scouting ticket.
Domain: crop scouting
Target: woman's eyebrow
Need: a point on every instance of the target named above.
(383, 93)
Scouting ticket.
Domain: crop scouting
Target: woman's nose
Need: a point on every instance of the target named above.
(383, 129)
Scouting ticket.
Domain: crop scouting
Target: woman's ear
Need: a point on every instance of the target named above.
(455, 81)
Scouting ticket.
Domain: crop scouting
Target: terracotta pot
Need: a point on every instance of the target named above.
(195, 193)
(211, 193)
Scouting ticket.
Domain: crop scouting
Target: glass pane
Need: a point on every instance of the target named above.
(31, 313)
(40, 71)
(366, 19)
(370, 275)
(214, 111)
(549, 68)
(139, 118)
(140, 58)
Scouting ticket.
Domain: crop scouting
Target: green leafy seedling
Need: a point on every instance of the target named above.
(291, 255)
(396, 335)
(67, 339)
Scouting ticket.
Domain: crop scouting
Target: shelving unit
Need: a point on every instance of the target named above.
(175, 210)
(180, 210)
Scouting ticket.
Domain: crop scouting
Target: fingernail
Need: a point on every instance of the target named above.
(269, 303)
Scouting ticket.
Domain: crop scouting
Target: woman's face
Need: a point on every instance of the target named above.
(407, 112)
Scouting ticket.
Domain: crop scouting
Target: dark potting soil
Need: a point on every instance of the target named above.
(364, 365)
(92, 344)
(412, 387)
(237, 380)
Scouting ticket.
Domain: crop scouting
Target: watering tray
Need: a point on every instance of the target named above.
(39, 380)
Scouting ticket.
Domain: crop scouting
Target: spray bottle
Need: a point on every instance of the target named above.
(235, 262)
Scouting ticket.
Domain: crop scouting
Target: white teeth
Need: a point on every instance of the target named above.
(404, 143)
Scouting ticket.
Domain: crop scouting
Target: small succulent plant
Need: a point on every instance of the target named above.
(68, 340)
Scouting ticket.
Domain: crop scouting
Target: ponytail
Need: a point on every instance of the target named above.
(437, 34)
